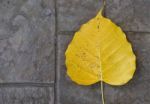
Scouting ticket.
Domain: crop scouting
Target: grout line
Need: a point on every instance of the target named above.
(26, 84)
(55, 80)
(144, 32)
(67, 32)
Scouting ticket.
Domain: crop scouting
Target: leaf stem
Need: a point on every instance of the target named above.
(102, 90)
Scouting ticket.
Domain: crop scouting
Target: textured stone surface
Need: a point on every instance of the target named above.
(27, 29)
(26, 95)
(73, 13)
(27, 40)
(131, 15)
(137, 91)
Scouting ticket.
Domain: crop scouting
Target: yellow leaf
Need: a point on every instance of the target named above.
(100, 48)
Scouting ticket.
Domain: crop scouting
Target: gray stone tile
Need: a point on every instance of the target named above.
(27, 40)
(131, 15)
(26, 95)
(137, 91)
(73, 13)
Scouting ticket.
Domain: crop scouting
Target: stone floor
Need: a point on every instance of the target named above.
(34, 35)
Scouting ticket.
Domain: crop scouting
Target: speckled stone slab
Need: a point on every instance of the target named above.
(27, 40)
(73, 13)
(26, 95)
(131, 15)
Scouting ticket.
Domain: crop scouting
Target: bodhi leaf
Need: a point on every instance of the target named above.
(100, 48)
